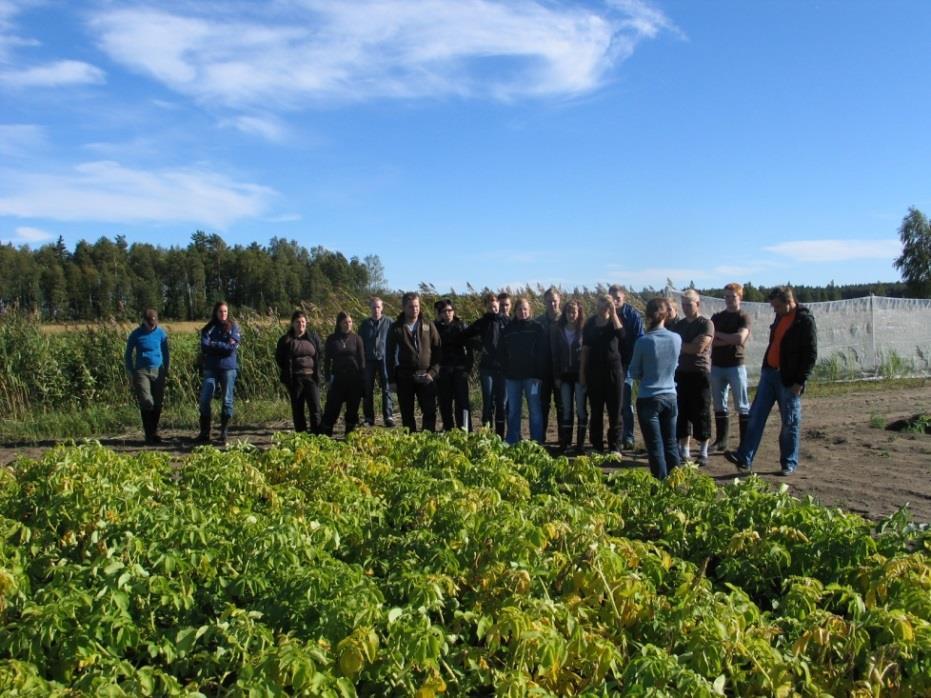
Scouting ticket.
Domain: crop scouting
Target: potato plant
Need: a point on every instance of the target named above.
(396, 564)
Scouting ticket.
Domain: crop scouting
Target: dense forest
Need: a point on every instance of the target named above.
(113, 279)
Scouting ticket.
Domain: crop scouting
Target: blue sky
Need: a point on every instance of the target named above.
(496, 143)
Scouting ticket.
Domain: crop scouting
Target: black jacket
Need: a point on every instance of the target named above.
(298, 356)
(455, 345)
(523, 349)
(799, 348)
(565, 358)
(489, 327)
(345, 356)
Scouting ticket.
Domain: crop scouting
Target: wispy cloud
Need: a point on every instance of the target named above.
(332, 50)
(19, 140)
(837, 250)
(108, 191)
(267, 127)
(56, 74)
(25, 235)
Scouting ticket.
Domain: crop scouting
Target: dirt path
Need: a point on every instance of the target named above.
(845, 462)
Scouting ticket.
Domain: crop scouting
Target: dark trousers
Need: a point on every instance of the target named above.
(305, 392)
(425, 393)
(550, 394)
(377, 370)
(344, 390)
(693, 394)
(657, 417)
(452, 389)
(605, 390)
(494, 399)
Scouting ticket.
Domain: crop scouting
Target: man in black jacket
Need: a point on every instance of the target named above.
(489, 328)
(787, 364)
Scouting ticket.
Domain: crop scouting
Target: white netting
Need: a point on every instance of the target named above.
(857, 338)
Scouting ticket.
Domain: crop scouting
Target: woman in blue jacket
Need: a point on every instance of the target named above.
(146, 360)
(219, 340)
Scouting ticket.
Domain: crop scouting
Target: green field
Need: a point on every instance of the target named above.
(393, 564)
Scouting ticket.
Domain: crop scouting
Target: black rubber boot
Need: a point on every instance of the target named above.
(156, 418)
(742, 422)
(224, 428)
(721, 426)
(146, 416)
(580, 439)
(204, 436)
(565, 438)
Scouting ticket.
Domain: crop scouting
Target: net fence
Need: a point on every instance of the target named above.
(870, 337)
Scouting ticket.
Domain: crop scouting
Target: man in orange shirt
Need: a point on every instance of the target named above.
(787, 364)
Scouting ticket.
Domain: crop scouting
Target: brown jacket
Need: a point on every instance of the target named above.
(408, 353)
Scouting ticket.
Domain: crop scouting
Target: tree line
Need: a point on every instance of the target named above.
(114, 279)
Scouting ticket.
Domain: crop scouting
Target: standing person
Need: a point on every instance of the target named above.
(602, 372)
(298, 357)
(219, 342)
(549, 391)
(455, 366)
(374, 333)
(146, 359)
(413, 348)
(522, 353)
(566, 351)
(656, 355)
(489, 328)
(344, 366)
(787, 364)
(633, 330)
(693, 387)
(728, 372)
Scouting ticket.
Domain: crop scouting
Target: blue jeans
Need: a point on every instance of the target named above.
(377, 370)
(217, 380)
(572, 394)
(657, 416)
(771, 391)
(516, 389)
(494, 399)
(627, 409)
(725, 378)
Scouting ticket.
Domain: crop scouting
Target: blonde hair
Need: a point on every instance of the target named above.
(692, 295)
(736, 288)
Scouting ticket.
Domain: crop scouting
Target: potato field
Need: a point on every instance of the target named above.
(392, 564)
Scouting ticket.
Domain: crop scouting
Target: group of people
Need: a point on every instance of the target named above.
(685, 365)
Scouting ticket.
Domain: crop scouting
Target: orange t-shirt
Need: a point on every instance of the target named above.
(772, 354)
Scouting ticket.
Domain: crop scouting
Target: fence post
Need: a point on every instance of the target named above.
(873, 333)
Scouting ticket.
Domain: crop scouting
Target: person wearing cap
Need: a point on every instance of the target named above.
(146, 359)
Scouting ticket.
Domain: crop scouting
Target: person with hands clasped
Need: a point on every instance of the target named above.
(413, 351)
(298, 357)
(219, 342)
(602, 372)
(344, 366)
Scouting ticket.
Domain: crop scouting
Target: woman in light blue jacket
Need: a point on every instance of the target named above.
(656, 355)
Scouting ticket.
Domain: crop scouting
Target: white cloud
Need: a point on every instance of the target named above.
(267, 127)
(837, 250)
(108, 191)
(286, 218)
(18, 140)
(324, 50)
(25, 235)
(57, 74)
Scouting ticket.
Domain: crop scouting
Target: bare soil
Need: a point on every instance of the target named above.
(846, 460)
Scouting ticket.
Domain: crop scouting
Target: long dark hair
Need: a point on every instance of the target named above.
(215, 319)
(342, 315)
(564, 316)
(657, 311)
